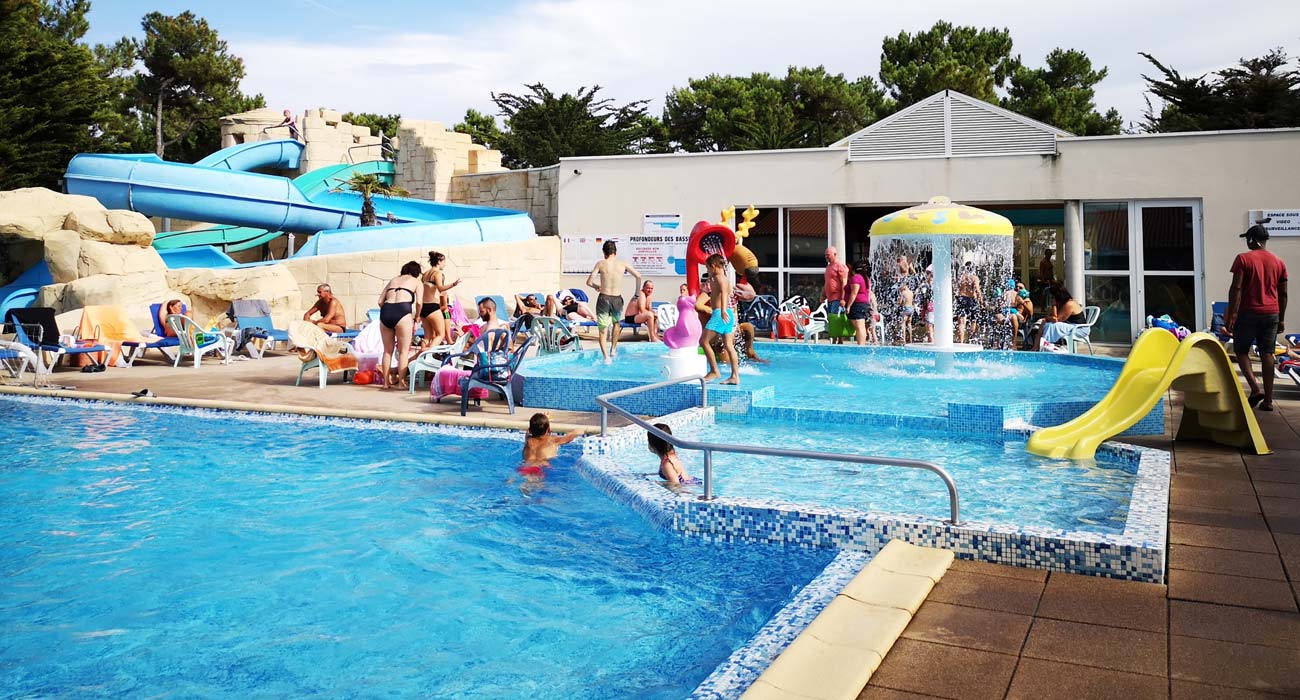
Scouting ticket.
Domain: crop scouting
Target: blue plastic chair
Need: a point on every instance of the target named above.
(36, 328)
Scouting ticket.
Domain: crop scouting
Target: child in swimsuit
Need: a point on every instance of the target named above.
(670, 468)
(906, 310)
(722, 321)
(540, 446)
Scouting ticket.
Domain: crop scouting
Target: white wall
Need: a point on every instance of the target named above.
(1230, 172)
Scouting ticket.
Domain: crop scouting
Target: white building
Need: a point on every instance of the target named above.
(1142, 224)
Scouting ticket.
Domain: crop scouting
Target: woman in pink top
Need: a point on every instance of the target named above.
(857, 297)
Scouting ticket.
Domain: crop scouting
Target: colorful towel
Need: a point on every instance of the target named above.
(110, 326)
(447, 383)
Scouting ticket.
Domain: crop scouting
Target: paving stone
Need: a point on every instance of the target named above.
(1182, 690)
(945, 671)
(1263, 475)
(1111, 648)
(1212, 499)
(1273, 489)
(1249, 666)
(875, 692)
(1220, 537)
(1040, 679)
(1222, 472)
(1212, 483)
(1288, 545)
(1233, 624)
(988, 592)
(1279, 459)
(1195, 514)
(1140, 606)
(968, 627)
(987, 569)
(1226, 561)
(1231, 590)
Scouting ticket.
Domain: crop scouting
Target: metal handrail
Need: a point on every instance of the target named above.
(708, 448)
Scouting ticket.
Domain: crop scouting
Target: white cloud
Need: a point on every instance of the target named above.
(639, 50)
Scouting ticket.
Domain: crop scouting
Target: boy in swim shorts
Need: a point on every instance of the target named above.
(722, 321)
(607, 279)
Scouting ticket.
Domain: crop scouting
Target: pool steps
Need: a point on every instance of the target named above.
(834, 657)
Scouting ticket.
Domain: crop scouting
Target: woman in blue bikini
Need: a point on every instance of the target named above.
(397, 321)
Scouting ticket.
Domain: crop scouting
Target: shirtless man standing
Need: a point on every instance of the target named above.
(640, 310)
(970, 299)
(332, 319)
(609, 303)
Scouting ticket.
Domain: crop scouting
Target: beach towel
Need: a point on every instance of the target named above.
(447, 383)
(312, 342)
(109, 326)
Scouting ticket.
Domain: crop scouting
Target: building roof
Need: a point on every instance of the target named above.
(949, 124)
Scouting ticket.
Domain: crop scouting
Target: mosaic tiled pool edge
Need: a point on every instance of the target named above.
(573, 393)
(732, 677)
(1136, 554)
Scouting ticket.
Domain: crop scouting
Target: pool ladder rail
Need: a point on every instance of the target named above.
(605, 401)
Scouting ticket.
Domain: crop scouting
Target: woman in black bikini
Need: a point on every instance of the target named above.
(432, 314)
(397, 325)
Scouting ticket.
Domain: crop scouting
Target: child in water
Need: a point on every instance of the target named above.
(670, 468)
(540, 446)
(906, 308)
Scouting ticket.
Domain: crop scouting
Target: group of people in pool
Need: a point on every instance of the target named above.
(541, 446)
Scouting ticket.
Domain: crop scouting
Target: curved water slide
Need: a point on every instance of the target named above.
(212, 191)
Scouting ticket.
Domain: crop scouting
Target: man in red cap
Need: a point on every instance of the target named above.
(1256, 307)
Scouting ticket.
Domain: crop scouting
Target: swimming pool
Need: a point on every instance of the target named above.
(998, 480)
(197, 554)
(867, 385)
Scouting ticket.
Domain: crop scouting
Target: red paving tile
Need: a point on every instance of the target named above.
(1231, 590)
(972, 628)
(1225, 561)
(1194, 514)
(945, 671)
(1248, 666)
(989, 592)
(1221, 537)
(1234, 624)
(1182, 690)
(1101, 601)
(1111, 648)
(1039, 679)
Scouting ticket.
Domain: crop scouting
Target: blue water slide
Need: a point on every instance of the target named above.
(284, 154)
(22, 292)
(147, 184)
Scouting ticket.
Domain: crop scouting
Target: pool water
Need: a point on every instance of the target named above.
(162, 554)
(893, 381)
(997, 481)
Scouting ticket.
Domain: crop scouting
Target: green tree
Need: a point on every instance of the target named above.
(542, 127)
(385, 124)
(1061, 94)
(368, 185)
(969, 60)
(807, 107)
(189, 80)
(653, 136)
(50, 90)
(481, 127)
(1258, 93)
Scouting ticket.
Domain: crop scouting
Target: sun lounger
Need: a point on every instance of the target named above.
(255, 315)
(111, 327)
(319, 351)
(35, 328)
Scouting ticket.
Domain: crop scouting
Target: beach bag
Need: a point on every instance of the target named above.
(839, 326)
(493, 374)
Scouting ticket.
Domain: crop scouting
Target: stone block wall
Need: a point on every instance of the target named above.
(532, 191)
(329, 139)
(431, 155)
(485, 268)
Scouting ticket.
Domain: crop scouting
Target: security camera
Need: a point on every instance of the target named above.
(577, 172)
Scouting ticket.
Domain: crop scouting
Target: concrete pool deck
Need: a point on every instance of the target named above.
(1226, 626)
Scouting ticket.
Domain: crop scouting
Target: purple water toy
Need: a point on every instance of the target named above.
(686, 332)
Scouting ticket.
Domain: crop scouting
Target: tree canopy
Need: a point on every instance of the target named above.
(542, 127)
(50, 90)
(1062, 94)
(385, 124)
(806, 107)
(481, 127)
(970, 60)
(1257, 93)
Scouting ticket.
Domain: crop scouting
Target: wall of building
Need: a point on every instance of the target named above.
(1229, 172)
(486, 268)
(532, 191)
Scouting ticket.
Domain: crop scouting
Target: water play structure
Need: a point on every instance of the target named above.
(220, 189)
(1214, 405)
(940, 225)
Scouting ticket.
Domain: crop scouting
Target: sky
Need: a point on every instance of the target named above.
(432, 59)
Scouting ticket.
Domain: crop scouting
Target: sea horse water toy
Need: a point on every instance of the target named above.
(683, 341)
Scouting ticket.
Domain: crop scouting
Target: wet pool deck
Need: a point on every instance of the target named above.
(1225, 626)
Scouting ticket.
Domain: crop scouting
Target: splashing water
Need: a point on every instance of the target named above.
(923, 366)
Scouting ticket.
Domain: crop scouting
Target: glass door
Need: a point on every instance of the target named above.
(1170, 282)
(1142, 258)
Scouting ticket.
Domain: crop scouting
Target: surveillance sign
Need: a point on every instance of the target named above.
(1281, 222)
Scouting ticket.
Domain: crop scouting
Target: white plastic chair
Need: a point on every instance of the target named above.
(1083, 330)
(809, 325)
(189, 332)
(430, 359)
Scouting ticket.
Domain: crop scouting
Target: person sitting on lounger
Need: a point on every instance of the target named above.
(487, 315)
(332, 319)
(565, 305)
(528, 307)
(173, 306)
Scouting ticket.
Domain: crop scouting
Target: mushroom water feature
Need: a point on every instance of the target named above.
(980, 240)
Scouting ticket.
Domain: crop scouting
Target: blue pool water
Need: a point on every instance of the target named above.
(159, 554)
(998, 481)
(892, 381)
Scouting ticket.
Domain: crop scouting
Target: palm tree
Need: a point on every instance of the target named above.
(369, 185)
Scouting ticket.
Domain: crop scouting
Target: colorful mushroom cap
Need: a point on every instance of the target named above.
(940, 216)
